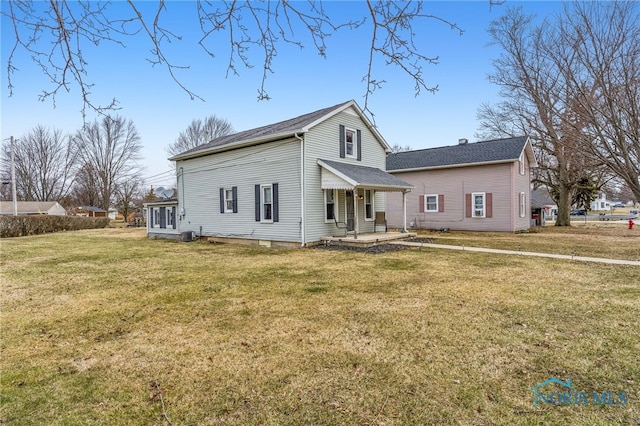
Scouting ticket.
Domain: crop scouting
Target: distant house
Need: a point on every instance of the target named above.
(112, 213)
(481, 186)
(90, 211)
(600, 204)
(33, 207)
(543, 207)
(286, 184)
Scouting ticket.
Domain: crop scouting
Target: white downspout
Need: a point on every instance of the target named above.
(303, 225)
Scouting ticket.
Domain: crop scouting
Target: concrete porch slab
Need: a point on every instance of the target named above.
(368, 239)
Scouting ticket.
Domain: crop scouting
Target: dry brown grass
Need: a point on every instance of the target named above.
(594, 239)
(92, 320)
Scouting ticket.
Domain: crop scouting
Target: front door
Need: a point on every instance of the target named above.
(351, 226)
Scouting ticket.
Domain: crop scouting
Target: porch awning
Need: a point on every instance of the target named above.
(337, 175)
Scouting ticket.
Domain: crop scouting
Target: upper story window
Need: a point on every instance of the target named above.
(350, 142)
(521, 161)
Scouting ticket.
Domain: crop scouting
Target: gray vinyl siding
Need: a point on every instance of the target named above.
(322, 142)
(199, 191)
(454, 183)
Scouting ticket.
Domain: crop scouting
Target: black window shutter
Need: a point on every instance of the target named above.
(341, 141)
(151, 217)
(274, 194)
(359, 141)
(173, 215)
(234, 191)
(221, 200)
(257, 203)
(163, 217)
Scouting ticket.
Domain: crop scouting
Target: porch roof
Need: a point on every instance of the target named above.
(337, 175)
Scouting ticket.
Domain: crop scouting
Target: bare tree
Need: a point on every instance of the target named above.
(85, 191)
(45, 163)
(126, 193)
(57, 35)
(605, 38)
(109, 150)
(399, 148)
(538, 101)
(200, 132)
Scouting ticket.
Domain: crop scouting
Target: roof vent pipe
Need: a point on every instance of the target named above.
(463, 141)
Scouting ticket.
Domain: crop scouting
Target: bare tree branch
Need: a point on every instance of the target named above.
(45, 162)
(57, 34)
(109, 150)
(200, 132)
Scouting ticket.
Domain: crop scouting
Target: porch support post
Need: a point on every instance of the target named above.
(356, 228)
(404, 211)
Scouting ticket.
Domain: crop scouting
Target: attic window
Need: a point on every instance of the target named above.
(349, 142)
(521, 161)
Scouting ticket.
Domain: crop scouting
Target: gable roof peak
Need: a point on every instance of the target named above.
(299, 124)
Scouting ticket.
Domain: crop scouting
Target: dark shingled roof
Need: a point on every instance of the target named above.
(496, 150)
(541, 198)
(282, 128)
(367, 176)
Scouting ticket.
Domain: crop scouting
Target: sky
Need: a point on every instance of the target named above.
(302, 81)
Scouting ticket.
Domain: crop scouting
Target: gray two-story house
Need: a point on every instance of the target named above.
(289, 183)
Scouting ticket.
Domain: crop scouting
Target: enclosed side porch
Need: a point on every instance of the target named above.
(354, 202)
(161, 219)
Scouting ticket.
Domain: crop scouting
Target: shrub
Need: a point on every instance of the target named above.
(19, 226)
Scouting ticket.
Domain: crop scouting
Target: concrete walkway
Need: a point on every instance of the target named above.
(520, 253)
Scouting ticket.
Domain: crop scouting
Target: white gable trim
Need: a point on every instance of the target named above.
(528, 151)
(333, 179)
(354, 108)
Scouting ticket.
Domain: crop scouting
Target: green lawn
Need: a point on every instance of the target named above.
(109, 327)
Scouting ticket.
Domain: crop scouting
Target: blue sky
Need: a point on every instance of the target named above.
(303, 82)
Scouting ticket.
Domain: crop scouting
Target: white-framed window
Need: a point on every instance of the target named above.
(330, 205)
(523, 204)
(350, 145)
(156, 218)
(431, 202)
(478, 206)
(521, 161)
(266, 203)
(368, 204)
(228, 200)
